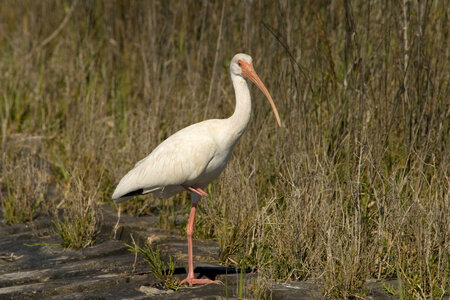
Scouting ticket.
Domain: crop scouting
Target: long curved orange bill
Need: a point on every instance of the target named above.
(249, 72)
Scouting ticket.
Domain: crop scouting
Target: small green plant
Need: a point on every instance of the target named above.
(78, 230)
(80, 221)
(158, 267)
(12, 212)
(241, 290)
(390, 289)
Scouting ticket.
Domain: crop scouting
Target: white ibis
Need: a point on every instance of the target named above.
(194, 156)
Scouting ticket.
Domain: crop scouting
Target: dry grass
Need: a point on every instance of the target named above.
(77, 215)
(355, 186)
(26, 179)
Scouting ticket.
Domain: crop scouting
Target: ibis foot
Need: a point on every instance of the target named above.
(192, 280)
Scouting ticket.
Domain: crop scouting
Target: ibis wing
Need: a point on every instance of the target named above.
(179, 159)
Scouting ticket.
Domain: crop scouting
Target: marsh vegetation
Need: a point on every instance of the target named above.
(354, 186)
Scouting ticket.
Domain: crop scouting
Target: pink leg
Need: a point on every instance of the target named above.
(190, 279)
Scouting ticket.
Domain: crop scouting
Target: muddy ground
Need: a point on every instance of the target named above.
(34, 266)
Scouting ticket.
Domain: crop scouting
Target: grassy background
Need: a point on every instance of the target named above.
(355, 186)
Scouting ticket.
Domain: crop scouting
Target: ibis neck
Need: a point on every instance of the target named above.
(241, 116)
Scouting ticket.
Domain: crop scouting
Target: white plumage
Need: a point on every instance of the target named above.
(190, 157)
(196, 155)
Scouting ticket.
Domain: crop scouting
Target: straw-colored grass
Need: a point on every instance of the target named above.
(355, 186)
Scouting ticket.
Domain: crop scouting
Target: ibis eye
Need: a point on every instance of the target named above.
(239, 63)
